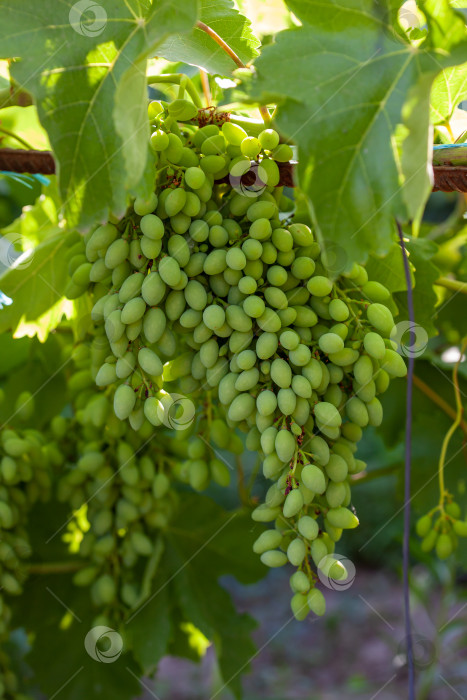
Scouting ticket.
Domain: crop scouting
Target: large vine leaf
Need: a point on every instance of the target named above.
(352, 92)
(200, 546)
(199, 49)
(75, 66)
(449, 88)
(36, 281)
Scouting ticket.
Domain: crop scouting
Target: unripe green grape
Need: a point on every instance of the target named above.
(264, 514)
(215, 262)
(116, 253)
(150, 362)
(241, 407)
(152, 226)
(299, 606)
(246, 359)
(247, 285)
(299, 582)
(102, 237)
(198, 474)
(174, 305)
(300, 356)
(252, 249)
(254, 306)
(268, 172)
(296, 552)
(268, 139)
(182, 110)
(145, 206)
(342, 518)
(159, 140)
(301, 386)
(233, 133)
(114, 327)
(375, 412)
(381, 318)
(319, 286)
(285, 445)
(306, 317)
(393, 364)
(289, 339)
(287, 401)
(327, 414)
(125, 365)
(282, 240)
(336, 468)
(261, 210)
(444, 546)
(150, 248)
(260, 229)
(141, 543)
(308, 527)
(363, 370)
(173, 152)
(239, 340)
(313, 478)
(106, 375)
(214, 316)
(282, 153)
(154, 109)
(423, 526)
(274, 558)
(133, 311)
(250, 147)
(460, 528)
(131, 287)
(268, 439)
(169, 271)
(293, 503)
(103, 590)
(124, 401)
(213, 145)
(281, 374)
(236, 259)
(375, 292)
(154, 323)
(345, 357)
(247, 379)
(98, 271)
(153, 288)
(219, 472)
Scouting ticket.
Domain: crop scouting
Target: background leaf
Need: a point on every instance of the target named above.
(74, 78)
(197, 48)
(345, 82)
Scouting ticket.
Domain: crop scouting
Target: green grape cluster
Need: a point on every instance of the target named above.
(210, 289)
(28, 459)
(441, 528)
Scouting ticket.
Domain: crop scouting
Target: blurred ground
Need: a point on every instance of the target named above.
(355, 651)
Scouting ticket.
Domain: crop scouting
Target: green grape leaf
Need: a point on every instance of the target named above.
(425, 272)
(388, 270)
(149, 632)
(84, 73)
(203, 543)
(60, 631)
(36, 281)
(352, 92)
(449, 88)
(199, 49)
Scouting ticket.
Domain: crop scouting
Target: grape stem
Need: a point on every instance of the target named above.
(438, 400)
(236, 59)
(12, 135)
(56, 567)
(206, 89)
(174, 79)
(453, 285)
(452, 429)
